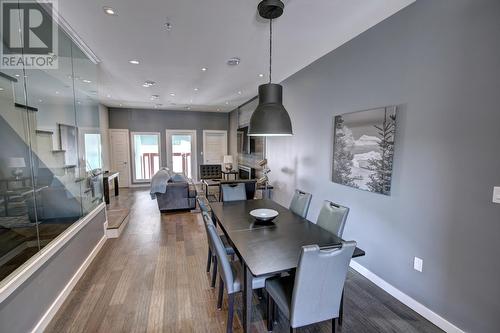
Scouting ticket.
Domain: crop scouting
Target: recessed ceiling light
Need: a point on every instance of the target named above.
(155, 97)
(227, 103)
(134, 62)
(121, 104)
(78, 102)
(188, 107)
(233, 61)
(109, 10)
(196, 89)
(86, 81)
(57, 92)
(1, 89)
(261, 75)
(239, 92)
(17, 75)
(40, 101)
(108, 96)
(204, 69)
(172, 94)
(148, 84)
(190, 101)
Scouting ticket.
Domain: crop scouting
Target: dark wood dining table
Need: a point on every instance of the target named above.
(268, 248)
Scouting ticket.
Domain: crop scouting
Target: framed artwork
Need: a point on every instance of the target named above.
(363, 149)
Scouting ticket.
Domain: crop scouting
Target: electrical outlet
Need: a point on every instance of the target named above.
(418, 264)
(496, 194)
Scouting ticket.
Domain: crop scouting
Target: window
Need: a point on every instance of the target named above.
(92, 151)
(146, 160)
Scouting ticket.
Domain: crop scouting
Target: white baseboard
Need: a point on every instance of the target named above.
(406, 300)
(52, 310)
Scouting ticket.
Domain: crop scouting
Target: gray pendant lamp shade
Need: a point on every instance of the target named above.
(270, 117)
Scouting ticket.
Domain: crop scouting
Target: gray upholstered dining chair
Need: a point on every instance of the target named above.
(212, 258)
(333, 217)
(233, 192)
(231, 275)
(314, 294)
(300, 203)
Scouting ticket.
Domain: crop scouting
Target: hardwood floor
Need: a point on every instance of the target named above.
(152, 279)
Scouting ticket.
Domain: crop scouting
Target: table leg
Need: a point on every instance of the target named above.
(117, 187)
(106, 191)
(247, 299)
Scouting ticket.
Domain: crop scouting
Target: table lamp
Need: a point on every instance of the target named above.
(16, 163)
(228, 162)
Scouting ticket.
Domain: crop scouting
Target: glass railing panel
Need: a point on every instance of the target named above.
(18, 221)
(89, 135)
(55, 144)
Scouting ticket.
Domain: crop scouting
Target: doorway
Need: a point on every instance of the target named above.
(120, 154)
(146, 155)
(181, 152)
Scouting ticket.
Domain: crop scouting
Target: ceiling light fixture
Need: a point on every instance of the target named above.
(109, 10)
(108, 96)
(172, 94)
(148, 84)
(86, 81)
(234, 61)
(261, 75)
(227, 102)
(1, 89)
(196, 89)
(239, 92)
(155, 97)
(120, 104)
(134, 62)
(57, 92)
(270, 118)
(204, 69)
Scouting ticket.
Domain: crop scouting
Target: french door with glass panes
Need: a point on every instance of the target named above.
(181, 152)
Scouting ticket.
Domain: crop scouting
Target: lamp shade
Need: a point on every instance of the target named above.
(228, 159)
(270, 118)
(16, 162)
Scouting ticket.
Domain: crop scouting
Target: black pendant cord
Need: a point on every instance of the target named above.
(270, 49)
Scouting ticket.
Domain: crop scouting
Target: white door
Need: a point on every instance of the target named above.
(181, 152)
(120, 154)
(214, 146)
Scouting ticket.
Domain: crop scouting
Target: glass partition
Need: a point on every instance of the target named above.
(50, 160)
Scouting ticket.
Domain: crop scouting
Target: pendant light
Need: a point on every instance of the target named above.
(270, 118)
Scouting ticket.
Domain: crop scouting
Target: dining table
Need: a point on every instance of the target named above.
(267, 248)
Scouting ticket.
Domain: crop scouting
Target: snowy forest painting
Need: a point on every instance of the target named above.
(364, 149)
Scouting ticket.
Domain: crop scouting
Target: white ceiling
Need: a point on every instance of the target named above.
(206, 34)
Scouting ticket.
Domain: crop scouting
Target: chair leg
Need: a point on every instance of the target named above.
(276, 314)
(214, 273)
(270, 313)
(334, 326)
(230, 312)
(209, 260)
(291, 329)
(341, 310)
(221, 293)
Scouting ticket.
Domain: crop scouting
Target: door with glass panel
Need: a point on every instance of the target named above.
(181, 152)
(146, 155)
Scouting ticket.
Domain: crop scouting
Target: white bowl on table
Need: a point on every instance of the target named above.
(264, 214)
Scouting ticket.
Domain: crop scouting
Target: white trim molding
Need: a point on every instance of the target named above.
(419, 308)
(54, 307)
(8, 286)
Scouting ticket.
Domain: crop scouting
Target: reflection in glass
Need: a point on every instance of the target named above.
(146, 155)
(50, 160)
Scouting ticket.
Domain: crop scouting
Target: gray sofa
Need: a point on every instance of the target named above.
(172, 191)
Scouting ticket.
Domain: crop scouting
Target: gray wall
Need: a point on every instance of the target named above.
(24, 308)
(439, 59)
(142, 120)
